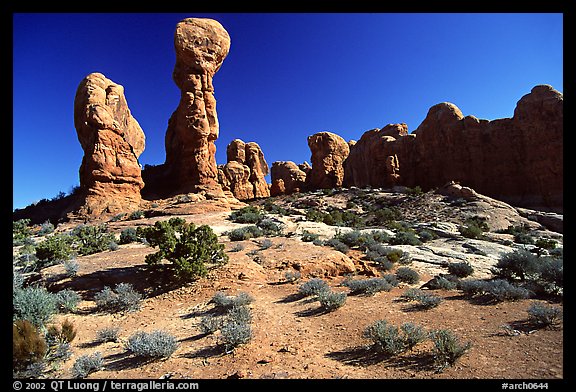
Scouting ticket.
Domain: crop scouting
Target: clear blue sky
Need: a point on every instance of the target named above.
(287, 76)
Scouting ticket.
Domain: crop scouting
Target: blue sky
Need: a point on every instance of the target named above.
(287, 76)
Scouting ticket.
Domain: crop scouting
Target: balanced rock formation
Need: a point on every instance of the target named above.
(329, 151)
(201, 46)
(244, 174)
(518, 160)
(112, 140)
(287, 177)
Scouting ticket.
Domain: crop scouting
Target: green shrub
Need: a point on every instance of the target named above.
(407, 275)
(546, 243)
(422, 299)
(134, 215)
(269, 227)
(189, 252)
(416, 191)
(314, 286)
(210, 324)
(405, 238)
(249, 214)
(34, 304)
(447, 348)
(87, 364)
(309, 237)
(20, 231)
(427, 235)
(330, 301)
(461, 269)
(153, 345)
(443, 283)
(28, 345)
(412, 294)
(244, 233)
(544, 316)
(92, 239)
(54, 248)
(471, 231)
(292, 276)
(122, 298)
(128, 235)
(266, 244)
(337, 244)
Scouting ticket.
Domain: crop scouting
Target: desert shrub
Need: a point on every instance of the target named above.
(87, 364)
(314, 286)
(428, 301)
(471, 231)
(118, 217)
(34, 304)
(28, 345)
(239, 314)
(122, 298)
(244, 233)
(46, 228)
(269, 227)
(337, 244)
(249, 214)
(53, 248)
(545, 243)
(416, 191)
(330, 301)
(392, 279)
(422, 299)
(265, 244)
(385, 215)
(189, 252)
(498, 290)
(63, 333)
(17, 280)
(443, 283)
(519, 264)
(407, 275)
(551, 275)
(292, 276)
(67, 300)
(223, 301)
(71, 267)
(128, 235)
(405, 238)
(156, 344)
(309, 237)
(237, 248)
(461, 269)
(134, 215)
(108, 334)
(427, 235)
(447, 348)
(234, 334)
(368, 286)
(544, 316)
(90, 239)
(391, 340)
(210, 324)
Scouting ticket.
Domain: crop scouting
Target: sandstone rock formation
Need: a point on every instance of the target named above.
(244, 174)
(328, 154)
(112, 140)
(518, 160)
(201, 46)
(287, 177)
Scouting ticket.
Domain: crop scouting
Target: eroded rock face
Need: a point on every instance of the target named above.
(518, 160)
(201, 46)
(244, 174)
(287, 177)
(328, 154)
(112, 140)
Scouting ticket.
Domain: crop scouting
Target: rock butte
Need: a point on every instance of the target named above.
(112, 140)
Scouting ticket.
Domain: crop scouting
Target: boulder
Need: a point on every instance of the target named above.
(287, 177)
(244, 174)
(112, 140)
(329, 151)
